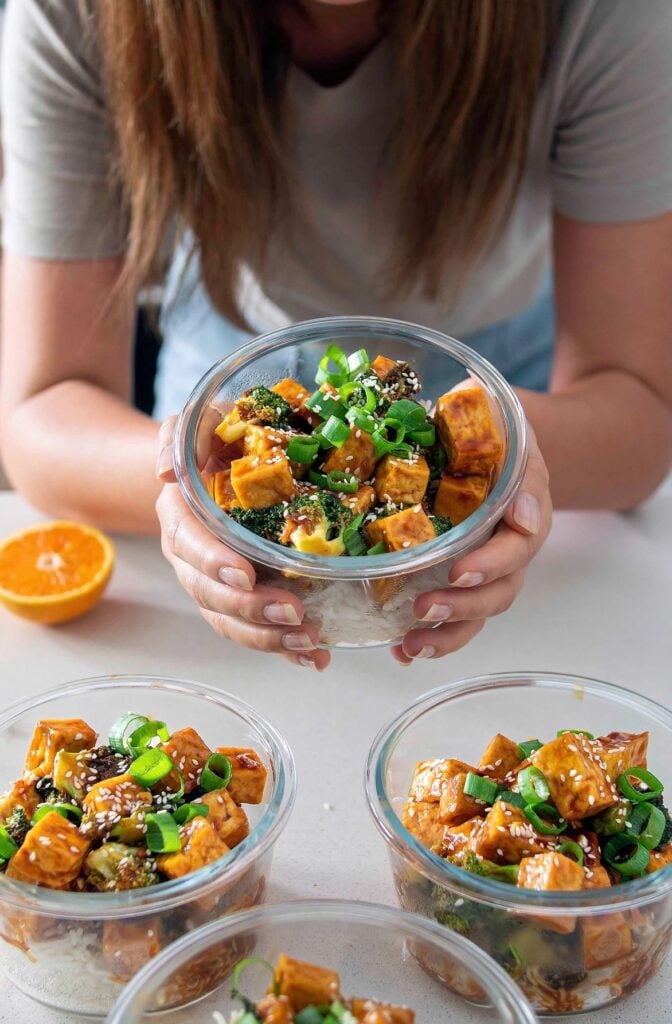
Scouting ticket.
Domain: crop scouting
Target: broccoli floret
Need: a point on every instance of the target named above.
(114, 867)
(266, 522)
(479, 866)
(262, 404)
(48, 792)
(401, 382)
(613, 820)
(441, 524)
(374, 385)
(667, 831)
(315, 523)
(18, 825)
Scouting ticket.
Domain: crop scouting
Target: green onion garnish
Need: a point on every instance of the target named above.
(361, 420)
(340, 1013)
(508, 796)
(163, 835)
(333, 433)
(377, 549)
(636, 857)
(309, 1015)
(7, 845)
(545, 825)
(70, 811)
(217, 773)
(325, 405)
(654, 786)
(533, 786)
(528, 747)
(335, 480)
(152, 766)
(358, 362)
(187, 812)
(479, 788)
(303, 448)
(142, 738)
(570, 848)
(358, 396)
(425, 437)
(384, 446)
(122, 729)
(408, 414)
(325, 374)
(576, 732)
(241, 966)
(352, 538)
(647, 824)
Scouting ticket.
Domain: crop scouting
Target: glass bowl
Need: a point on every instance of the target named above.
(362, 601)
(76, 951)
(380, 953)
(576, 951)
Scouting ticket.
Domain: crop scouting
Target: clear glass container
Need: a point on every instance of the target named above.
(578, 951)
(363, 601)
(379, 952)
(75, 951)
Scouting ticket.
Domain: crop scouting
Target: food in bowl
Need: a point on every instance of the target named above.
(358, 467)
(306, 993)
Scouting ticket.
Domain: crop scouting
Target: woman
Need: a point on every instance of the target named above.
(411, 158)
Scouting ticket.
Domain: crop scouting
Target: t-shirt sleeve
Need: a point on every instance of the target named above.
(612, 154)
(59, 197)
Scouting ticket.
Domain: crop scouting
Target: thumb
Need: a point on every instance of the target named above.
(164, 463)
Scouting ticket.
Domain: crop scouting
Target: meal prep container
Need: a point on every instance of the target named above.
(380, 952)
(75, 951)
(578, 951)
(367, 600)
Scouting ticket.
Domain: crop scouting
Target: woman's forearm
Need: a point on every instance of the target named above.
(75, 450)
(607, 440)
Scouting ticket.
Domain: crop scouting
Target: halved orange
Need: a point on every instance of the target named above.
(53, 572)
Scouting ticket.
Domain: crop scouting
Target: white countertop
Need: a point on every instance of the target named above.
(597, 603)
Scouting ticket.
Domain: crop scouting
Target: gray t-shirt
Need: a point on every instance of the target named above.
(600, 151)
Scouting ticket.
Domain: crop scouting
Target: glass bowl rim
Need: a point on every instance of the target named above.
(475, 529)
(496, 982)
(639, 892)
(172, 894)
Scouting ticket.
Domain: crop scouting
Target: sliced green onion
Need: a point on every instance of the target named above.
(576, 732)
(333, 433)
(411, 414)
(533, 786)
(544, 825)
(187, 812)
(479, 788)
(319, 479)
(528, 747)
(142, 738)
(250, 1018)
(636, 861)
(344, 483)
(303, 449)
(358, 362)
(241, 966)
(151, 767)
(70, 811)
(377, 549)
(217, 773)
(340, 1013)
(358, 389)
(384, 446)
(352, 538)
(361, 420)
(7, 845)
(508, 796)
(647, 823)
(325, 405)
(309, 1015)
(162, 835)
(425, 438)
(121, 730)
(570, 848)
(636, 795)
(325, 374)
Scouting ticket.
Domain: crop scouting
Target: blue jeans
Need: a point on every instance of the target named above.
(196, 336)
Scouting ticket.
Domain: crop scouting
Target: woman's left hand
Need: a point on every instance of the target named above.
(486, 581)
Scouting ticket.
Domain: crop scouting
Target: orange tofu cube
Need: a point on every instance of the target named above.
(596, 877)
(401, 481)
(467, 432)
(507, 836)
(361, 501)
(188, 752)
(22, 794)
(401, 530)
(356, 455)
(262, 481)
(296, 396)
(382, 366)
(458, 838)
(660, 858)
(456, 806)
(52, 735)
(368, 1011)
(458, 496)
(222, 490)
(129, 945)
(499, 757)
(421, 818)
(606, 937)
(305, 984)
(260, 439)
(621, 750)
(51, 855)
(226, 817)
(578, 784)
(201, 845)
(550, 872)
(275, 1010)
(110, 800)
(431, 777)
(248, 781)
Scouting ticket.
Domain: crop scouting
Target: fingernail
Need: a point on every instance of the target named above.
(527, 513)
(235, 578)
(438, 613)
(286, 614)
(425, 652)
(307, 663)
(469, 579)
(164, 463)
(298, 642)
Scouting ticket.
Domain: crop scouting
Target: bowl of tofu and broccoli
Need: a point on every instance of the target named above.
(352, 460)
(328, 962)
(549, 843)
(135, 809)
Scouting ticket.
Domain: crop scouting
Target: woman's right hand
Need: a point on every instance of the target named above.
(223, 584)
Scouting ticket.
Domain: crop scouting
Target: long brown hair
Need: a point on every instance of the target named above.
(196, 92)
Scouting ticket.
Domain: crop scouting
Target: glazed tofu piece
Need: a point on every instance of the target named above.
(110, 800)
(248, 781)
(305, 984)
(222, 490)
(578, 784)
(621, 750)
(22, 794)
(606, 937)
(456, 806)
(51, 855)
(402, 481)
(401, 530)
(458, 838)
(458, 496)
(275, 1010)
(129, 945)
(550, 872)
(507, 836)
(360, 502)
(596, 877)
(262, 481)
(356, 455)
(382, 366)
(468, 433)
(500, 757)
(226, 817)
(432, 776)
(399, 378)
(188, 752)
(296, 396)
(421, 818)
(369, 1011)
(660, 858)
(260, 439)
(201, 844)
(52, 735)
